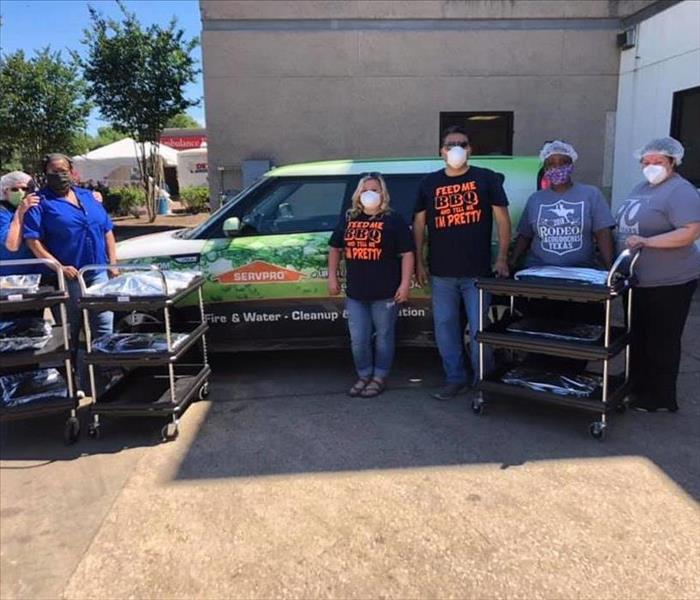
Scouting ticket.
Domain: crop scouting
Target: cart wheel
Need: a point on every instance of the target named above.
(621, 408)
(597, 430)
(94, 432)
(170, 432)
(204, 391)
(71, 431)
(478, 406)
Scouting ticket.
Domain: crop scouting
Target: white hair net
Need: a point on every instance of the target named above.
(558, 147)
(12, 179)
(667, 146)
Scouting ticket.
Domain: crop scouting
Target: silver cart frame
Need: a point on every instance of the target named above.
(72, 425)
(166, 302)
(597, 428)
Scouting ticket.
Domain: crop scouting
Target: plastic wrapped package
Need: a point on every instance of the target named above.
(30, 386)
(541, 380)
(19, 284)
(125, 343)
(578, 274)
(143, 283)
(557, 330)
(24, 333)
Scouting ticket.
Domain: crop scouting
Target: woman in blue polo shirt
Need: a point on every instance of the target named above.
(14, 204)
(70, 226)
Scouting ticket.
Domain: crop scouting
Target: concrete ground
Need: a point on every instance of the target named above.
(282, 486)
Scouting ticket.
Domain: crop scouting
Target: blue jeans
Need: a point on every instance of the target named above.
(100, 324)
(448, 293)
(369, 318)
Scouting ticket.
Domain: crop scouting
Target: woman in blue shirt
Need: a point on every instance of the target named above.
(14, 204)
(70, 226)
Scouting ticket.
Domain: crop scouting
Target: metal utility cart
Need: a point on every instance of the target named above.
(155, 383)
(615, 339)
(33, 361)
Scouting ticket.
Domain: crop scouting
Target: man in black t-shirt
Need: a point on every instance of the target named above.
(458, 205)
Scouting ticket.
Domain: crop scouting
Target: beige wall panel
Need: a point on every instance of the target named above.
(280, 53)
(460, 52)
(590, 53)
(418, 9)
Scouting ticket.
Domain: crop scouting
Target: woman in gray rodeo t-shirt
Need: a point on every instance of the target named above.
(561, 226)
(661, 216)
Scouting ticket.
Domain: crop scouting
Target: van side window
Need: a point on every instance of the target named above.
(296, 206)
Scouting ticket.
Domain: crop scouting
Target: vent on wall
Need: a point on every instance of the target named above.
(627, 39)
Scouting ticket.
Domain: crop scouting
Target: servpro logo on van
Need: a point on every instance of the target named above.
(259, 271)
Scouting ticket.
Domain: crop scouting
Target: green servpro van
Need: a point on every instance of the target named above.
(264, 253)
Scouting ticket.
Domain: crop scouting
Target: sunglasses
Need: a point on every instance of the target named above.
(18, 189)
(371, 174)
(449, 145)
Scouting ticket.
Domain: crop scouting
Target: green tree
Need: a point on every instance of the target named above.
(183, 121)
(42, 108)
(105, 135)
(136, 76)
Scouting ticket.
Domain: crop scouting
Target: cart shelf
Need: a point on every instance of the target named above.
(136, 359)
(496, 335)
(554, 289)
(617, 392)
(121, 302)
(145, 392)
(38, 408)
(53, 351)
(46, 297)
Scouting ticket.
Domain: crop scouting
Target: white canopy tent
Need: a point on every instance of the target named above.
(116, 164)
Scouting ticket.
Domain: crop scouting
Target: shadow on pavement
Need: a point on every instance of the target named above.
(288, 413)
(42, 439)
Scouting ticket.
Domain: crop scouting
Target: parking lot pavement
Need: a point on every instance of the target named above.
(282, 486)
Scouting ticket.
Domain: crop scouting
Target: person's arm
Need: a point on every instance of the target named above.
(40, 251)
(522, 245)
(502, 217)
(419, 238)
(14, 234)
(684, 236)
(111, 243)
(333, 264)
(407, 266)
(604, 240)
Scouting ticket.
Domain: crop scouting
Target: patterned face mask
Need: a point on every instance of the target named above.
(559, 175)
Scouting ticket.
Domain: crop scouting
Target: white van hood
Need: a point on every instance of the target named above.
(163, 243)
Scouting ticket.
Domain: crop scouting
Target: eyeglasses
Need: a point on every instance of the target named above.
(371, 174)
(18, 189)
(449, 145)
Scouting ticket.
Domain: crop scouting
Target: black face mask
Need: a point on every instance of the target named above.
(58, 182)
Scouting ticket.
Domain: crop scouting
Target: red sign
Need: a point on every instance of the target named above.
(183, 142)
(259, 271)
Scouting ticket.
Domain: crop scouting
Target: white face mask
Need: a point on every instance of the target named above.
(655, 174)
(456, 157)
(370, 199)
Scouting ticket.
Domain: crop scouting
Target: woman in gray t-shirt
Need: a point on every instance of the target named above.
(661, 216)
(561, 225)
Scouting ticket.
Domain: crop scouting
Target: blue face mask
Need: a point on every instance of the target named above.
(559, 175)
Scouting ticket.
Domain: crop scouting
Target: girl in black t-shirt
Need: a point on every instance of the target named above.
(378, 249)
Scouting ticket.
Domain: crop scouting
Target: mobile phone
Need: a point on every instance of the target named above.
(31, 186)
